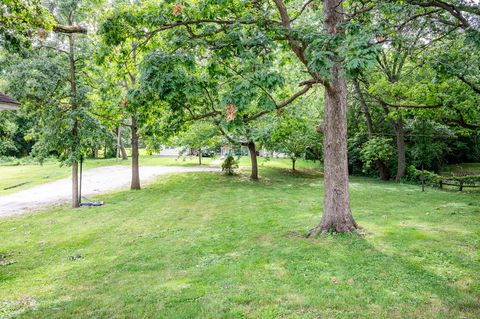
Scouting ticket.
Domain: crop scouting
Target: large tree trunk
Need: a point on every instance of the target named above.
(337, 215)
(135, 168)
(400, 135)
(253, 158)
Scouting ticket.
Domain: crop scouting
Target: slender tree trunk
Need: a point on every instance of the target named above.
(253, 158)
(199, 156)
(364, 106)
(381, 167)
(135, 167)
(337, 215)
(75, 196)
(73, 102)
(119, 132)
(400, 136)
(293, 163)
(423, 180)
(123, 151)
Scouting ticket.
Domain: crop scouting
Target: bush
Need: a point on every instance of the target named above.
(229, 164)
(377, 148)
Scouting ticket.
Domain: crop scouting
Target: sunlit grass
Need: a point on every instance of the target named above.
(204, 245)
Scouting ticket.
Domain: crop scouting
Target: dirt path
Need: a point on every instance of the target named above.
(95, 181)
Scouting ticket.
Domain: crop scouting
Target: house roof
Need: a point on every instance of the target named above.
(7, 103)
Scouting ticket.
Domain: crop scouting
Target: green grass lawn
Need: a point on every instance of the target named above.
(204, 245)
(19, 177)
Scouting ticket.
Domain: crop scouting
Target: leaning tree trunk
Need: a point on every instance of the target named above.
(337, 215)
(253, 158)
(123, 151)
(119, 138)
(400, 135)
(135, 167)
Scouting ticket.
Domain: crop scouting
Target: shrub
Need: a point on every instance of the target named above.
(377, 148)
(229, 164)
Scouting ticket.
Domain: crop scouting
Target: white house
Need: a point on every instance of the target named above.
(7, 103)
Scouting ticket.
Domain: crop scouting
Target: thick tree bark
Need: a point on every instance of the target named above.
(253, 158)
(337, 215)
(135, 167)
(400, 136)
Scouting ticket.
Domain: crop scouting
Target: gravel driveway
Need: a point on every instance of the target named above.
(95, 181)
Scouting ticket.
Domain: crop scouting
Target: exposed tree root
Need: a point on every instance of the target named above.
(333, 228)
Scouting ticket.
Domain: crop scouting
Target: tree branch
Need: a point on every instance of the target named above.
(69, 29)
(472, 85)
(282, 104)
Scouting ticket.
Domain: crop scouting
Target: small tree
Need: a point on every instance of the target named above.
(294, 134)
(51, 83)
(229, 164)
(199, 136)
